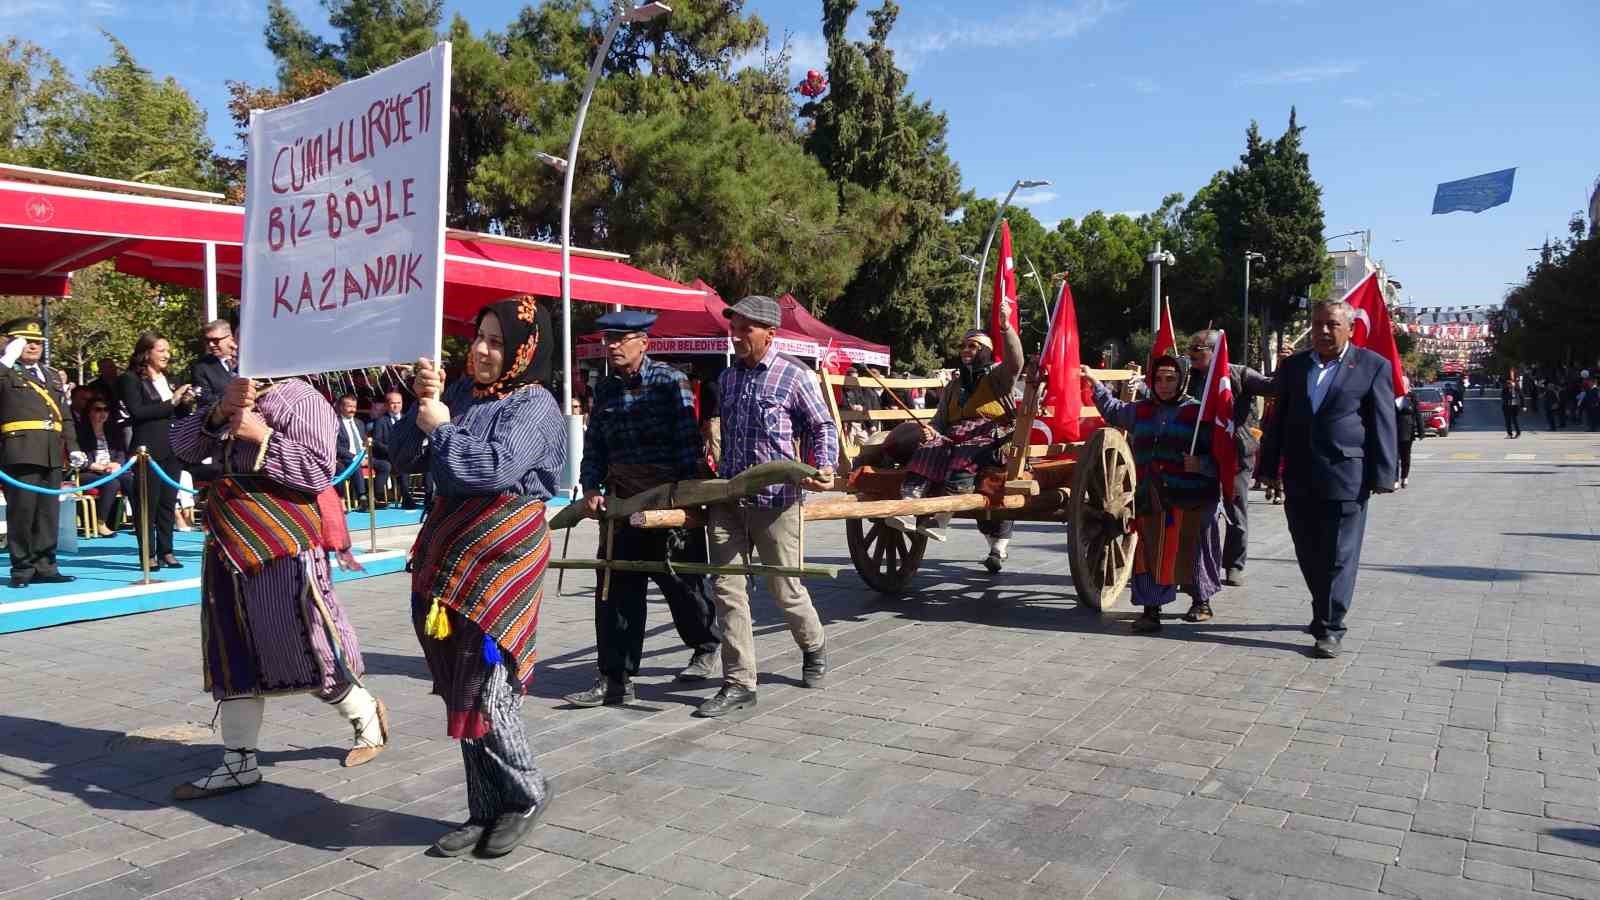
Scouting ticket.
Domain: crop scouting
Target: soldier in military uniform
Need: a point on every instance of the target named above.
(34, 446)
(642, 433)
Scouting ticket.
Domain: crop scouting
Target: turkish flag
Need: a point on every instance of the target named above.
(1004, 307)
(1370, 327)
(1166, 339)
(1216, 413)
(1060, 419)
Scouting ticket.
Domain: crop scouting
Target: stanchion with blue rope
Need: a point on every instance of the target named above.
(144, 515)
(372, 503)
(62, 492)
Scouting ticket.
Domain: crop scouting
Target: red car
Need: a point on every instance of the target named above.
(1434, 405)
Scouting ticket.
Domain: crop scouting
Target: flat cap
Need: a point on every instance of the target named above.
(757, 308)
(626, 320)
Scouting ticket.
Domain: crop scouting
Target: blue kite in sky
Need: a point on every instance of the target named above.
(1475, 194)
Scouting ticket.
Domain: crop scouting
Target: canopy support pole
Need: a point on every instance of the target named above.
(211, 281)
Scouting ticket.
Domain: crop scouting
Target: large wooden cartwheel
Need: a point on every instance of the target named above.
(885, 558)
(1100, 516)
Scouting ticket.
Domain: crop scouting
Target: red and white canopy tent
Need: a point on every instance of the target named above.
(53, 223)
(704, 332)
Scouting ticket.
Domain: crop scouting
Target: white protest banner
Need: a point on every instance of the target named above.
(344, 224)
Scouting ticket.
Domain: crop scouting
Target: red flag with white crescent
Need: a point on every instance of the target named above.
(1216, 413)
(1004, 306)
(1166, 343)
(1370, 327)
(1061, 408)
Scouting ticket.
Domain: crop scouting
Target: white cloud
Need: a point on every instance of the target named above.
(1051, 225)
(1359, 102)
(1029, 26)
(16, 9)
(1301, 74)
(1031, 199)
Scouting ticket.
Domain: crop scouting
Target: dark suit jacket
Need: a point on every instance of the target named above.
(343, 448)
(150, 415)
(114, 442)
(20, 402)
(1347, 447)
(382, 437)
(210, 379)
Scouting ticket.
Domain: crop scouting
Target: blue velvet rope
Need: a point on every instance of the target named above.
(61, 492)
(338, 480)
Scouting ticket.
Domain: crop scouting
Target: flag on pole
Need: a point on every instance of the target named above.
(1216, 413)
(1166, 339)
(1004, 307)
(1370, 326)
(1475, 194)
(1061, 408)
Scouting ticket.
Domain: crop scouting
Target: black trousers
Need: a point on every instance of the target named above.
(1327, 542)
(32, 520)
(1513, 427)
(1405, 459)
(105, 504)
(1236, 531)
(163, 509)
(619, 618)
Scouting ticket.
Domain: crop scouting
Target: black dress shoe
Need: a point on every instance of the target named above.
(19, 582)
(606, 692)
(814, 666)
(507, 832)
(57, 578)
(171, 562)
(731, 698)
(461, 841)
(1326, 648)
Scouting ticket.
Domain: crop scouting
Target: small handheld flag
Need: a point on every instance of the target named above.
(1216, 413)
(1004, 307)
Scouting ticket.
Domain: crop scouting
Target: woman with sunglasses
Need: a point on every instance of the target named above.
(107, 451)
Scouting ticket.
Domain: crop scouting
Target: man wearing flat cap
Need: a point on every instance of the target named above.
(36, 441)
(771, 408)
(642, 433)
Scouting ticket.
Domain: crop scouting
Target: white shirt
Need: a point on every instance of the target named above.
(352, 431)
(1322, 377)
(162, 388)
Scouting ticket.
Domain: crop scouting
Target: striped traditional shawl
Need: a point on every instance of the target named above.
(256, 520)
(484, 557)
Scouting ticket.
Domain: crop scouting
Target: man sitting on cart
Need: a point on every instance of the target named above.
(975, 418)
(1176, 499)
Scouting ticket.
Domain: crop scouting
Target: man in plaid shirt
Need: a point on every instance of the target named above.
(642, 433)
(769, 405)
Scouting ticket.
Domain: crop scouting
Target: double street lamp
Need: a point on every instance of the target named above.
(983, 258)
(622, 15)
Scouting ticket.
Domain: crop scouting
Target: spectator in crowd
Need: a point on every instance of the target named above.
(107, 450)
(78, 408)
(1555, 412)
(352, 441)
(382, 431)
(710, 414)
(1409, 427)
(1511, 402)
(152, 404)
(211, 374)
(1588, 401)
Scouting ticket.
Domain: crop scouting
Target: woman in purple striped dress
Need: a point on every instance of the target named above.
(274, 625)
(496, 446)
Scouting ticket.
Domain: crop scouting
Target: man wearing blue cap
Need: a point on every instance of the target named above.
(643, 433)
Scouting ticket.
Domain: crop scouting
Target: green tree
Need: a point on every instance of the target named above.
(1551, 320)
(37, 101)
(1270, 204)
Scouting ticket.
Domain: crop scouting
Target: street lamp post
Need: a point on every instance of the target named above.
(1249, 255)
(983, 258)
(1156, 259)
(569, 166)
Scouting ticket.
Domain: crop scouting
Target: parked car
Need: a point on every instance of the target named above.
(1434, 404)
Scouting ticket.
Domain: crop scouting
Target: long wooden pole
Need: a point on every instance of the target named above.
(833, 510)
(649, 567)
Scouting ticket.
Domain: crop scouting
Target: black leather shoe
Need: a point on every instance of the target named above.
(461, 841)
(701, 666)
(994, 562)
(57, 578)
(814, 666)
(19, 583)
(1326, 648)
(170, 561)
(731, 698)
(606, 692)
(508, 831)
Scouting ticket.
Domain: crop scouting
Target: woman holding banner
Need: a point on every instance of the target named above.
(1177, 494)
(496, 445)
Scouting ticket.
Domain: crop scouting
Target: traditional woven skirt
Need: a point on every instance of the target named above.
(477, 584)
(1180, 546)
(961, 452)
(281, 631)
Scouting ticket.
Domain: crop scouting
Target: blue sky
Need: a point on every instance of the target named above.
(1119, 101)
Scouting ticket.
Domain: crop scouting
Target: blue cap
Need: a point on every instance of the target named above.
(626, 320)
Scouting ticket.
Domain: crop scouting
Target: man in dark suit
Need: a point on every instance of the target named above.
(219, 366)
(352, 440)
(38, 439)
(1334, 432)
(1248, 384)
(382, 431)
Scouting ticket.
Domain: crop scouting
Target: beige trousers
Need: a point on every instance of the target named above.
(773, 535)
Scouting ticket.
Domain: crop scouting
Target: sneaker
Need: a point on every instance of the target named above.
(461, 841)
(1326, 648)
(1234, 578)
(814, 666)
(606, 692)
(731, 698)
(702, 665)
(994, 562)
(1148, 621)
(1199, 611)
(507, 832)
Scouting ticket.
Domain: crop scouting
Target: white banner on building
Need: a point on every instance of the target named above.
(344, 224)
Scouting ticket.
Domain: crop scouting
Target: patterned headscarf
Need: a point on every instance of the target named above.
(528, 350)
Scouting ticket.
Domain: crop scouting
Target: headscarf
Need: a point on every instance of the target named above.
(529, 353)
(1181, 366)
(972, 373)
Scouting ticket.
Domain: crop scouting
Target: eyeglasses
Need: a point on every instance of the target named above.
(613, 338)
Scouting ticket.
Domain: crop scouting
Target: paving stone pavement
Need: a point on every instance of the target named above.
(985, 738)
